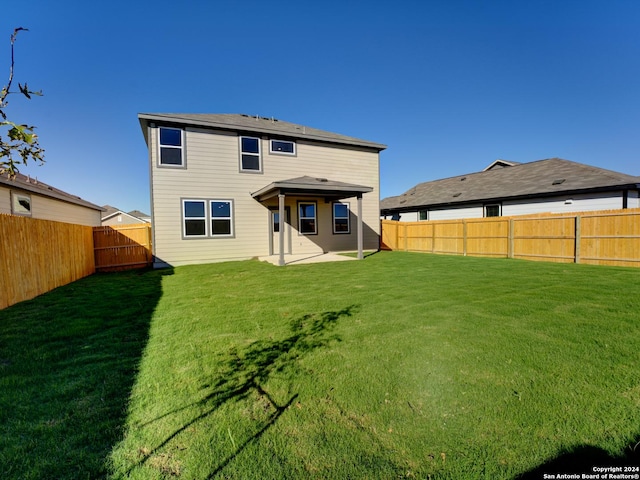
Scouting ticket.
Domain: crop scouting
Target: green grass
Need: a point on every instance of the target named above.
(399, 366)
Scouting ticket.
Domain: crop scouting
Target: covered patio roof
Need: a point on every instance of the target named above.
(320, 187)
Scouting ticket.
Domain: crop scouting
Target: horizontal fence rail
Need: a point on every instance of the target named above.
(602, 238)
(122, 247)
(37, 256)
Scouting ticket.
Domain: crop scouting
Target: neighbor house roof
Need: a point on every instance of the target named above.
(256, 124)
(33, 185)
(553, 176)
(110, 211)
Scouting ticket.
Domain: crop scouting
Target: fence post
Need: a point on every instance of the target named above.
(433, 238)
(464, 237)
(511, 242)
(577, 238)
(406, 240)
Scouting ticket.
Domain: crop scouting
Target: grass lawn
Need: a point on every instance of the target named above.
(399, 366)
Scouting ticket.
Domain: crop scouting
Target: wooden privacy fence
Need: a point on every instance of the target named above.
(601, 238)
(39, 255)
(122, 247)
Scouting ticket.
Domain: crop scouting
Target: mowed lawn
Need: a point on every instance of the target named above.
(402, 365)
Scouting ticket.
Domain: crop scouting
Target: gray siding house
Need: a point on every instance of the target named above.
(231, 187)
(508, 188)
(30, 197)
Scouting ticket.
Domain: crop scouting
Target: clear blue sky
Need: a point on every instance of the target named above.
(448, 85)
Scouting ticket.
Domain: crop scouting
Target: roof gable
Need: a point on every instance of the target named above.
(552, 176)
(256, 124)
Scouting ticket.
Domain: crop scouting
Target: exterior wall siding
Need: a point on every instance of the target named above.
(213, 172)
(52, 209)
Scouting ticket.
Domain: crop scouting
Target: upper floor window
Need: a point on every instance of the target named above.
(341, 218)
(20, 204)
(171, 147)
(250, 160)
(307, 224)
(492, 210)
(284, 147)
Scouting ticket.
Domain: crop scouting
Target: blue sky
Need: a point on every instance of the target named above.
(448, 85)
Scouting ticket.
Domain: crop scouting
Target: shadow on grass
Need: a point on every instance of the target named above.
(583, 460)
(245, 370)
(68, 361)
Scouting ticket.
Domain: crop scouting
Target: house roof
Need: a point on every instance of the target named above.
(33, 185)
(553, 176)
(256, 124)
(110, 211)
(311, 186)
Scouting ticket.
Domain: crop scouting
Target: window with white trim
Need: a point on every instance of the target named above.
(221, 218)
(492, 210)
(250, 159)
(171, 145)
(307, 224)
(341, 218)
(282, 147)
(207, 218)
(20, 204)
(194, 218)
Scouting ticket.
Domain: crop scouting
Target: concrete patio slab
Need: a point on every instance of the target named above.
(306, 258)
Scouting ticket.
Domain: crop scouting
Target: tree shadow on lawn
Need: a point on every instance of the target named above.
(583, 459)
(244, 371)
(68, 361)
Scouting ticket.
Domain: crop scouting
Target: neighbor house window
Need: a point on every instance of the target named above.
(341, 218)
(284, 147)
(221, 218)
(20, 204)
(194, 218)
(492, 210)
(423, 215)
(171, 147)
(250, 154)
(307, 224)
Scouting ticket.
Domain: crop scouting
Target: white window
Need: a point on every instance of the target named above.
(341, 218)
(283, 147)
(20, 204)
(171, 147)
(307, 224)
(492, 210)
(221, 218)
(250, 160)
(194, 218)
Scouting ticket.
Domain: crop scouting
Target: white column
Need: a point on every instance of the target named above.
(360, 255)
(282, 222)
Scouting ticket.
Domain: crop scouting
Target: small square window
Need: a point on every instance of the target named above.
(250, 154)
(492, 210)
(284, 147)
(171, 147)
(423, 215)
(20, 204)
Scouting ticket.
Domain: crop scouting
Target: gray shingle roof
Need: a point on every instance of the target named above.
(548, 177)
(248, 123)
(312, 186)
(33, 185)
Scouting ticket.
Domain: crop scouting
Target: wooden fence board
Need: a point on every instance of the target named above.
(609, 237)
(122, 247)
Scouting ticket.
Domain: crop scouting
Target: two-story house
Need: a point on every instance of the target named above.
(231, 187)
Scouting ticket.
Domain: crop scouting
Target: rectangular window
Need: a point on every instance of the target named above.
(194, 218)
(20, 204)
(492, 210)
(307, 218)
(250, 154)
(423, 215)
(221, 218)
(171, 147)
(341, 218)
(284, 147)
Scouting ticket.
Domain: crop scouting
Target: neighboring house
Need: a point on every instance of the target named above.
(30, 197)
(509, 188)
(115, 216)
(230, 186)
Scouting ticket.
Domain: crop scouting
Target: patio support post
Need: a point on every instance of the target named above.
(282, 222)
(360, 255)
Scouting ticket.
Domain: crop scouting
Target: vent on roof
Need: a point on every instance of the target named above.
(457, 194)
(463, 179)
(559, 181)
